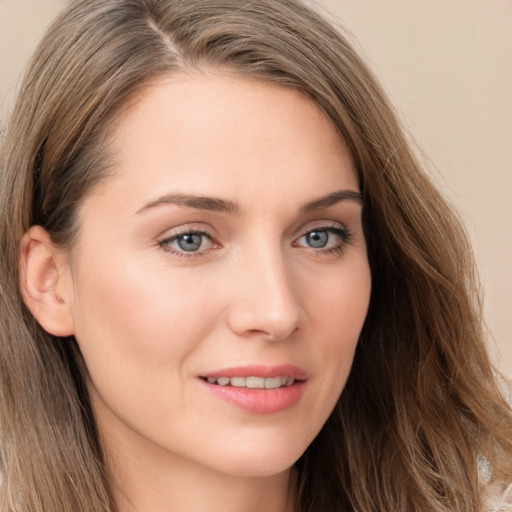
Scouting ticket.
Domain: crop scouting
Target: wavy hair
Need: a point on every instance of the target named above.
(422, 409)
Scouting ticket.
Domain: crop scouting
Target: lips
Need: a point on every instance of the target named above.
(258, 389)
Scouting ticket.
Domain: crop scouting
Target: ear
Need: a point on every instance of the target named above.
(45, 282)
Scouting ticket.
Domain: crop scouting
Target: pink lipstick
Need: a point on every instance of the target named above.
(256, 388)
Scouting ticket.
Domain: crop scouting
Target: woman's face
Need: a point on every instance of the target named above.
(220, 280)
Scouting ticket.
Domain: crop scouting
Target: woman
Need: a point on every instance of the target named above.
(228, 283)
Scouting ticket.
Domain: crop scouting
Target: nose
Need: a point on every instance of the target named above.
(265, 300)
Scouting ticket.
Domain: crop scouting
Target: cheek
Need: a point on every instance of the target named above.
(337, 313)
(344, 312)
(340, 306)
(131, 322)
(128, 297)
(137, 333)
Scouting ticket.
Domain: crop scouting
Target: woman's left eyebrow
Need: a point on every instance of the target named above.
(333, 198)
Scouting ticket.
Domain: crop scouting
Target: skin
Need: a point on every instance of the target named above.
(151, 318)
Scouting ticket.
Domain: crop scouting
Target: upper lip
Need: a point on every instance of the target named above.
(255, 370)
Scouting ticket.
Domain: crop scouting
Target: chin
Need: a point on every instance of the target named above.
(264, 460)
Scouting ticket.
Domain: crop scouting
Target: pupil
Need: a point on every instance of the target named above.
(317, 239)
(190, 242)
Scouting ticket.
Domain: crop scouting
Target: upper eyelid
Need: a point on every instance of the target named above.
(329, 228)
(319, 225)
(170, 235)
(185, 229)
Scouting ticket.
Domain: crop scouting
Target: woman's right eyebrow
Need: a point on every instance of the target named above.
(213, 204)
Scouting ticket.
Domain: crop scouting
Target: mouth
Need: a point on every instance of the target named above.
(252, 382)
(258, 389)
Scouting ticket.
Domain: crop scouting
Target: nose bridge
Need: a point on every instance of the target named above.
(267, 301)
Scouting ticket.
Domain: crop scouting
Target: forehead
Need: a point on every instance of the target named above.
(221, 135)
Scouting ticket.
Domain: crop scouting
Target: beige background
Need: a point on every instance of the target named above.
(447, 65)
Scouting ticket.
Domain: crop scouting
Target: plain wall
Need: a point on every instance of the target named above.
(447, 65)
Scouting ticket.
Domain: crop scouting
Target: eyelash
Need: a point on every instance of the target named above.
(343, 233)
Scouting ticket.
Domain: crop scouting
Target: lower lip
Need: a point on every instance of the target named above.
(259, 401)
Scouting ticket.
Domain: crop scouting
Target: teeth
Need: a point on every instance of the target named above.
(273, 382)
(238, 382)
(253, 382)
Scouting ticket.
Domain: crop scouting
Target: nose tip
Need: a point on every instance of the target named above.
(275, 324)
(267, 305)
(273, 321)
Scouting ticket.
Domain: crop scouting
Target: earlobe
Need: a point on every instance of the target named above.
(44, 282)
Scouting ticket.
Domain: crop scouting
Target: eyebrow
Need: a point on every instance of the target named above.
(212, 204)
(332, 199)
(215, 204)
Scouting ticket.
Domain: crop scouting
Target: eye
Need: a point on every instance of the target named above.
(325, 239)
(188, 242)
(317, 239)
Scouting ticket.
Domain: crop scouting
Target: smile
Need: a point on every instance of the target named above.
(258, 389)
(252, 382)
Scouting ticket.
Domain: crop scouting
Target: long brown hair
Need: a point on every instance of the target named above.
(422, 412)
